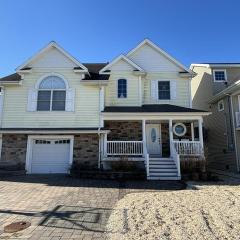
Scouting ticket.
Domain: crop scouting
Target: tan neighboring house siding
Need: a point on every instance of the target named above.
(218, 125)
(220, 138)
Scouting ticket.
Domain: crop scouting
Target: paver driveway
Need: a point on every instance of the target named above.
(60, 207)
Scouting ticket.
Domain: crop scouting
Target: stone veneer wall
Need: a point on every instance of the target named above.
(85, 151)
(124, 130)
(14, 149)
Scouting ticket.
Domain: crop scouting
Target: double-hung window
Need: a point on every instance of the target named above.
(164, 90)
(122, 88)
(51, 94)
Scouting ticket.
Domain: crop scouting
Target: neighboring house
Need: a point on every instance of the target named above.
(57, 111)
(216, 88)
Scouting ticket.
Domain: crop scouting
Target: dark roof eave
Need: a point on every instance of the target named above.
(153, 108)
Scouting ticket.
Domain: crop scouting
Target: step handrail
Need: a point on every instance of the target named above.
(176, 158)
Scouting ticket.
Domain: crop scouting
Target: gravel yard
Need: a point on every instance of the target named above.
(212, 212)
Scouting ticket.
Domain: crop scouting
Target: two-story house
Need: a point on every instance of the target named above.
(216, 88)
(56, 111)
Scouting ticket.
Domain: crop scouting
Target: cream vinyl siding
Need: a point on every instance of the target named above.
(86, 112)
(152, 61)
(182, 89)
(111, 96)
(121, 66)
(52, 58)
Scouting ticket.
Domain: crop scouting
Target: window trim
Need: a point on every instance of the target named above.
(184, 127)
(51, 99)
(37, 85)
(220, 102)
(164, 80)
(126, 88)
(220, 70)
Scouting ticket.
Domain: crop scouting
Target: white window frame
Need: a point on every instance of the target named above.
(126, 87)
(38, 89)
(164, 80)
(220, 70)
(184, 127)
(51, 99)
(219, 104)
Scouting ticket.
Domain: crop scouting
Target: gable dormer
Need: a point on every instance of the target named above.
(121, 64)
(150, 57)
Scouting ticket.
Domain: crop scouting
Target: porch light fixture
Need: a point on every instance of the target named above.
(179, 129)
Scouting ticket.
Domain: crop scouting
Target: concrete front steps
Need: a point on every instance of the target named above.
(162, 169)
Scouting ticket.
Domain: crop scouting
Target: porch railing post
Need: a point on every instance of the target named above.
(200, 133)
(144, 137)
(170, 135)
(105, 145)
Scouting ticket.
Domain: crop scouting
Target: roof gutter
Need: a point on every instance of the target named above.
(226, 91)
(11, 82)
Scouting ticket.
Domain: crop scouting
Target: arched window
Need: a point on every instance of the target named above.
(51, 94)
(122, 88)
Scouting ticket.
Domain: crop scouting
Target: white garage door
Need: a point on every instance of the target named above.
(50, 156)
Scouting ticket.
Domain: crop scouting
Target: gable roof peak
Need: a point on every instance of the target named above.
(121, 57)
(46, 48)
(160, 50)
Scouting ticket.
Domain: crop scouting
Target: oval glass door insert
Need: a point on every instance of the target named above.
(153, 135)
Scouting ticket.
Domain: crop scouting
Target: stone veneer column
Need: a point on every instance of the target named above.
(86, 151)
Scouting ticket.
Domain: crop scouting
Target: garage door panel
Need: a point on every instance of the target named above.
(50, 156)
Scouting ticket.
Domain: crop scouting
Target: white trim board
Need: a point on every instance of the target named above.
(54, 131)
(43, 50)
(43, 137)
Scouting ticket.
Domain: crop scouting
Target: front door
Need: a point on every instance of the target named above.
(153, 135)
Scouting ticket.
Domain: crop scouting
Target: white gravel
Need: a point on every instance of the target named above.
(213, 212)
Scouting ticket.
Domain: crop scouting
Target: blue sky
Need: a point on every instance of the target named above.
(99, 30)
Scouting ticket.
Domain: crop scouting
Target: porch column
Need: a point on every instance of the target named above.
(105, 144)
(170, 135)
(192, 131)
(144, 137)
(200, 132)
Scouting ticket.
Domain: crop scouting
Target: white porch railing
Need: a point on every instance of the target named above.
(237, 119)
(176, 158)
(188, 147)
(130, 148)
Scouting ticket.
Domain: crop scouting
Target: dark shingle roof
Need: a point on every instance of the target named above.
(94, 69)
(13, 77)
(220, 63)
(161, 108)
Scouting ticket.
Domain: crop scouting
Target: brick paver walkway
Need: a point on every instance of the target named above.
(60, 207)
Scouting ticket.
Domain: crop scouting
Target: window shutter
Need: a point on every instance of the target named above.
(70, 100)
(154, 89)
(32, 100)
(173, 89)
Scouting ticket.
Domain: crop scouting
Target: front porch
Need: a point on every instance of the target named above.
(158, 144)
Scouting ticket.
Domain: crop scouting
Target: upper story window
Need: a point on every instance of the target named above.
(220, 105)
(164, 90)
(122, 88)
(51, 94)
(220, 75)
